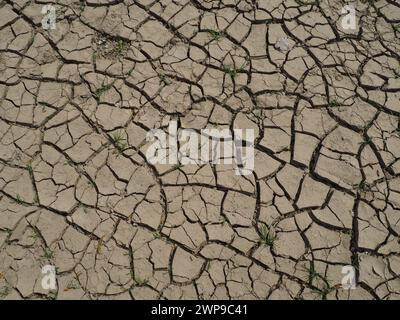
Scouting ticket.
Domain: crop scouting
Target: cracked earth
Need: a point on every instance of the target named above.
(77, 192)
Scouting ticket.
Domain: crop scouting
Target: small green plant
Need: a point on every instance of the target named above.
(47, 253)
(34, 236)
(156, 235)
(177, 166)
(119, 141)
(19, 200)
(73, 284)
(266, 237)
(232, 72)
(214, 35)
(172, 26)
(138, 282)
(366, 141)
(91, 183)
(326, 288)
(4, 291)
(30, 169)
(103, 89)
(313, 275)
(363, 186)
(84, 207)
(164, 80)
(324, 291)
(334, 104)
(52, 295)
(120, 47)
(68, 163)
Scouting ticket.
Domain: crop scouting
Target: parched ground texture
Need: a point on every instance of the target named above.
(76, 191)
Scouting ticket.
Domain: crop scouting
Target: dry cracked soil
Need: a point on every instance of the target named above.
(76, 189)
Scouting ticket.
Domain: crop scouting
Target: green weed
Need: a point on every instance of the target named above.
(119, 141)
(214, 35)
(266, 238)
(321, 290)
(47, 253)
(120, 48)
(164, 79)
(103, 89)
(138, 282)
(20, 200)
(334, 104)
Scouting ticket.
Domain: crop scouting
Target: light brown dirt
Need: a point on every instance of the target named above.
(325, 192)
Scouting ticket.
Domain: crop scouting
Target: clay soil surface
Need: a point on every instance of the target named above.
(78, 193)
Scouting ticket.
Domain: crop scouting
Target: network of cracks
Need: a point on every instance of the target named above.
(76, 189)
